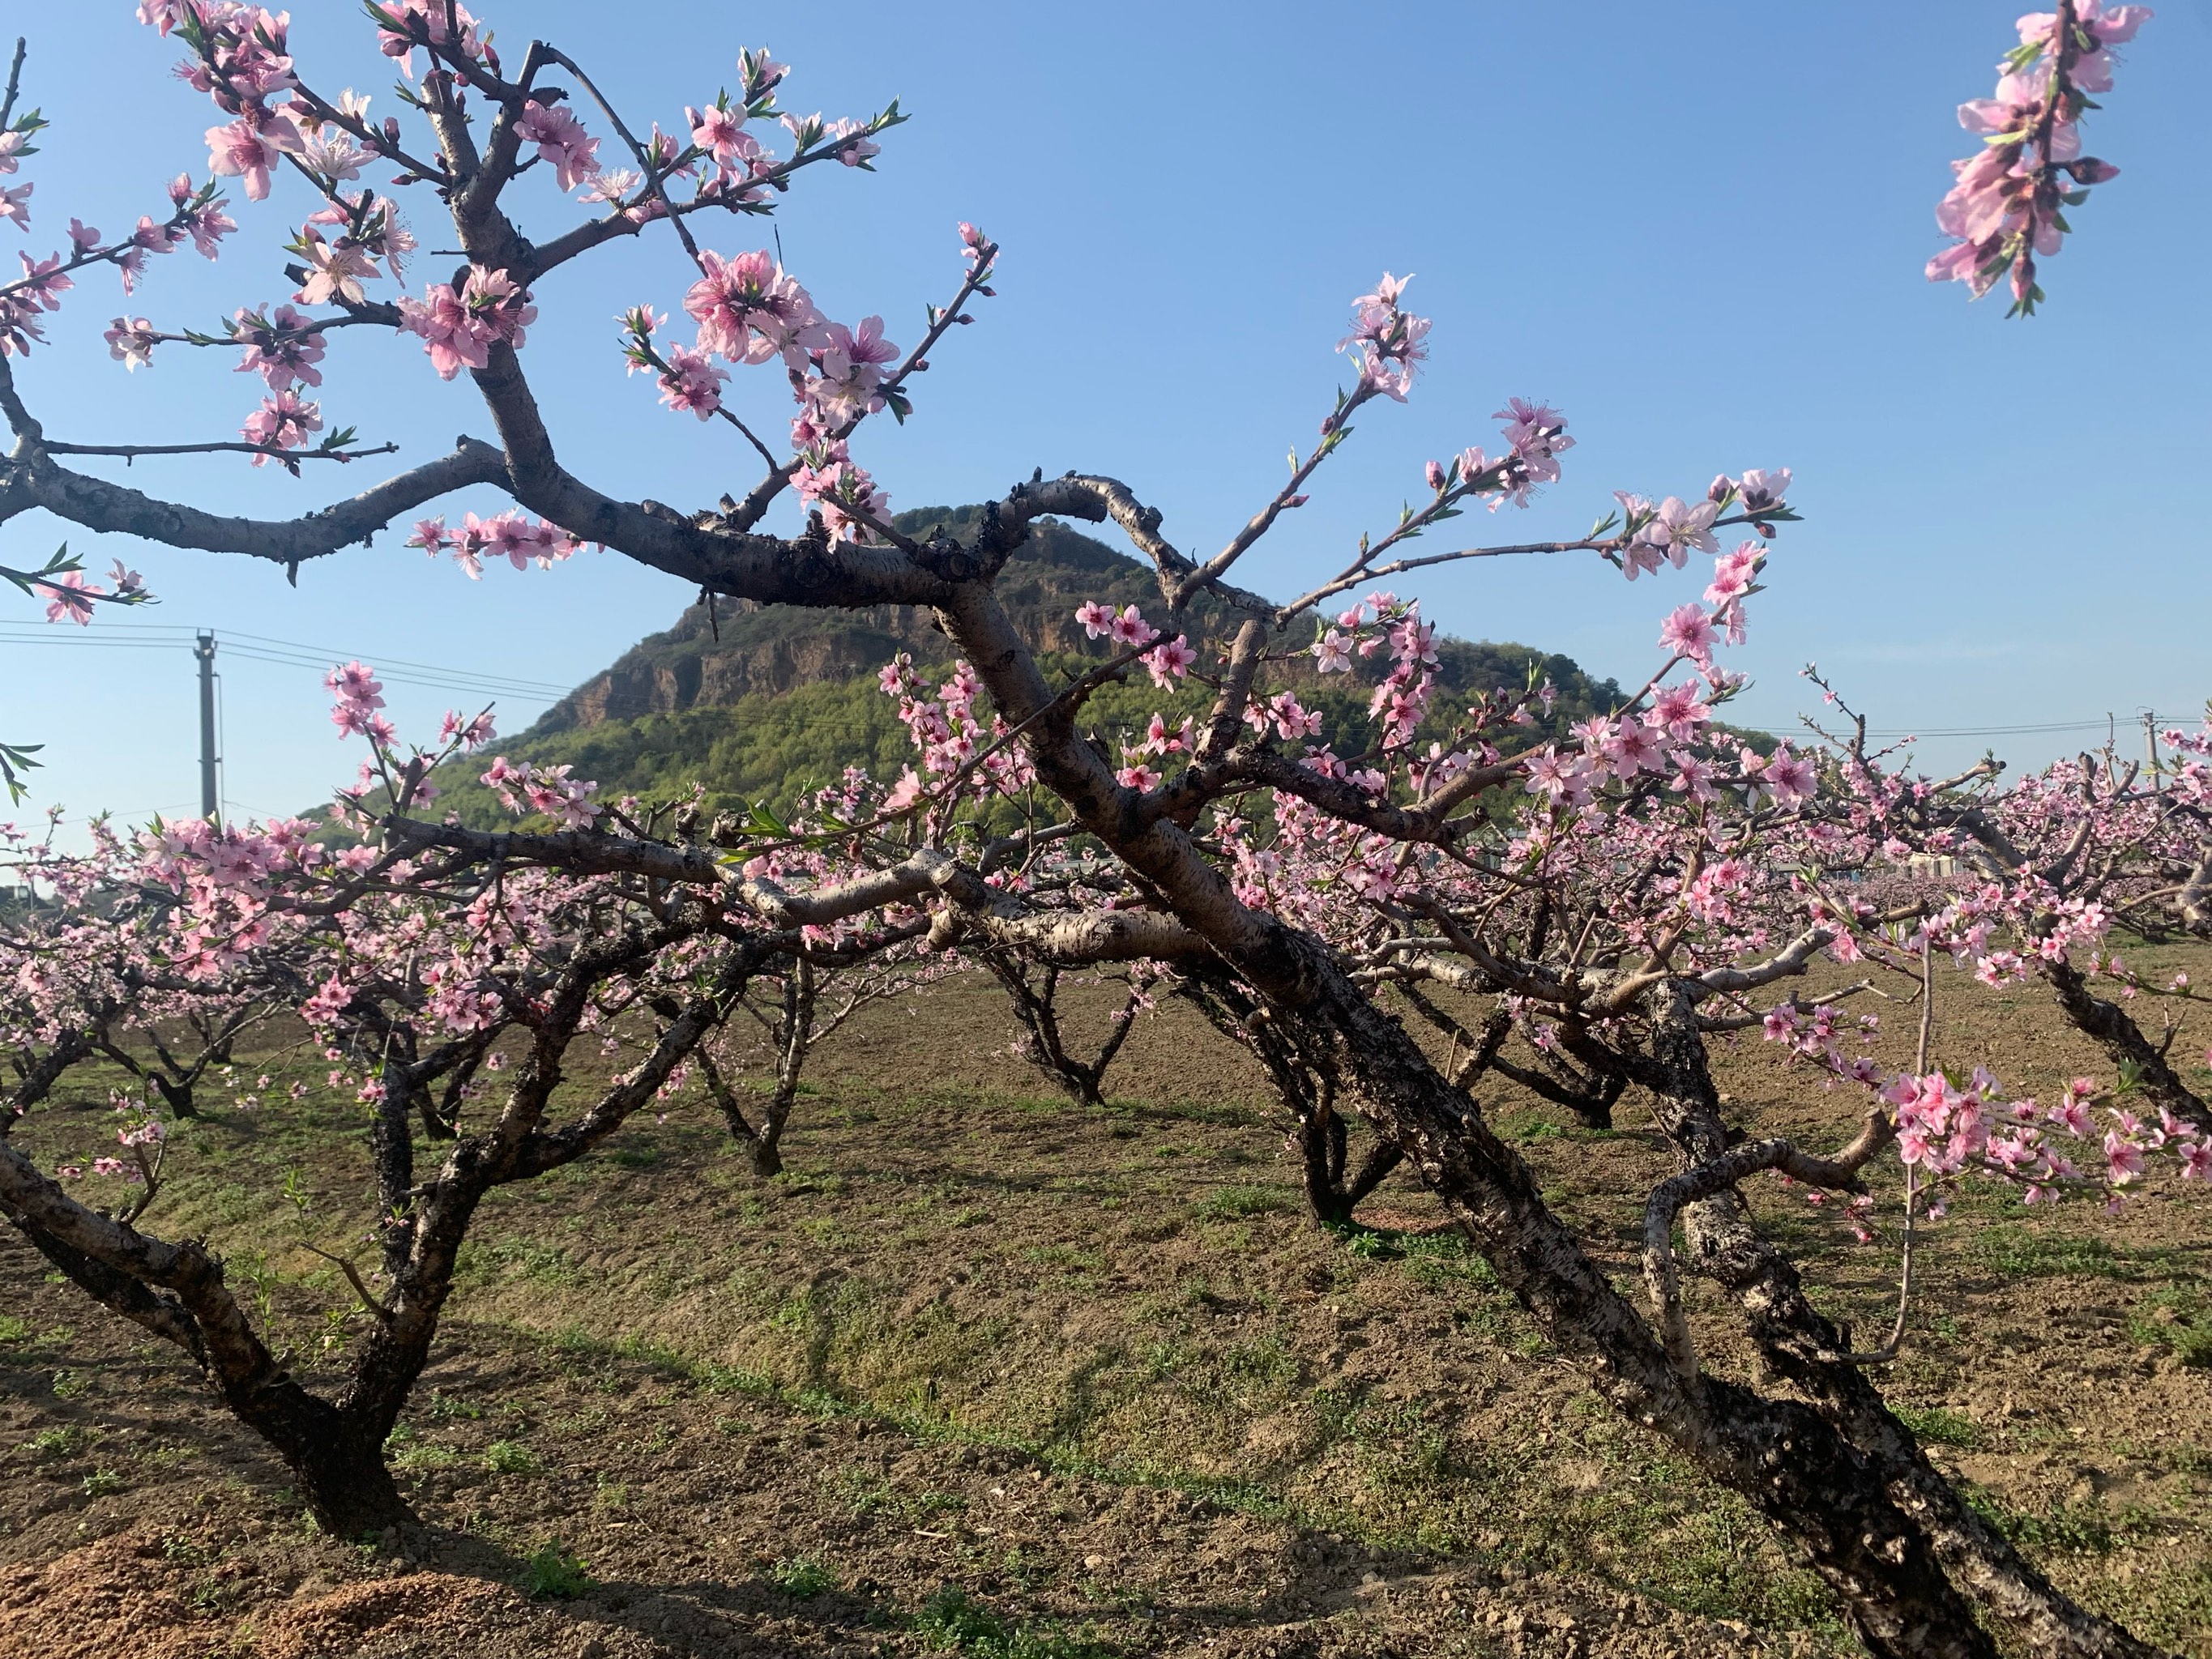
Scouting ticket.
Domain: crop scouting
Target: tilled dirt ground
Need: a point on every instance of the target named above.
(988, 1373)
(718, 1498)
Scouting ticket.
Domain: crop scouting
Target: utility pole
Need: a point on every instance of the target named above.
(210, 802)
(2150, 744)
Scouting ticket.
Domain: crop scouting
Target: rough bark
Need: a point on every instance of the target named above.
(392, 1156)
(1591, 1098)
(1306, 1085)
(334, 1448)
(1036, 1009)
(178, 1292)
(2123, 1040)
(1797, 1343)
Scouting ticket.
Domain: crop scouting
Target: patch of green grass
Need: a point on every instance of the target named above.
(2171, 1605)
(13, 1329)
(420, 1457)
(180, 1549)
(2017, 1252)
(67, 1385)
(803, 1578)
(864, 1492)
(2062, 1528)
(443, 1407)
(1236, 1203)
(953, 1621)
(510, 1457)
(550, 1573)
(55, 1443)
(1264, 1360)
(1935, 1425)
(103, 1483)
(731, 1379)
(1400, 1452)
(523, 1258)
(1716, 1567)
(2179, 1319)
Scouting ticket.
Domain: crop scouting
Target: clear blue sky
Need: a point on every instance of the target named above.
(1697, 228)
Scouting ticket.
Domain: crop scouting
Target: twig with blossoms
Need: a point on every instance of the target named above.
(243, 60)
(60, 582)
(1646, 535)
(980, 254)
(197, 214)
(688, 380)
(2009, 203)
(68, 596)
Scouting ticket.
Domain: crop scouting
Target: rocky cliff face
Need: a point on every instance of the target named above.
(746, 649)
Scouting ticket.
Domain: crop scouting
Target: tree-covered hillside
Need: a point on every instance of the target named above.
(762, 704)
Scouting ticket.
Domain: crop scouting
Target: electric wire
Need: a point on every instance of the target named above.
(292, 653)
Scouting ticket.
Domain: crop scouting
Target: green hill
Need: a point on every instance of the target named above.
(765, 703)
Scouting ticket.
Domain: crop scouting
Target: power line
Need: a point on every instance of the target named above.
(292, 653)
(402, 664)
(432, 679)
(1985, 730)
(2103, 723)
(288, 654)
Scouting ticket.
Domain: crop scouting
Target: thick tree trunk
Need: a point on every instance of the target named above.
(1797, 1343)
(335, 1452)
(767, 1155)
(794, 1041)
(1811, 1482)
(2121, 1038)
(1814, 1485)
(36, 1076)
(1305, 1085)
(1372, 1174)
(177, 1095)
(760, 1148)
(1320, 1140)
(391, 1155)
(337, 1460)
(1038, 1010)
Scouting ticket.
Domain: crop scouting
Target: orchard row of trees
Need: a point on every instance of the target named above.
(1583, 916)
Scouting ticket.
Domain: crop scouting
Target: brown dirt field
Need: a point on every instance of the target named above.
(988, 1373)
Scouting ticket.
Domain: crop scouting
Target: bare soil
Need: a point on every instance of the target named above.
(988, 1373)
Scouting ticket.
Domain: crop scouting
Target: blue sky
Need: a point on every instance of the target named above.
(1697, 228)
